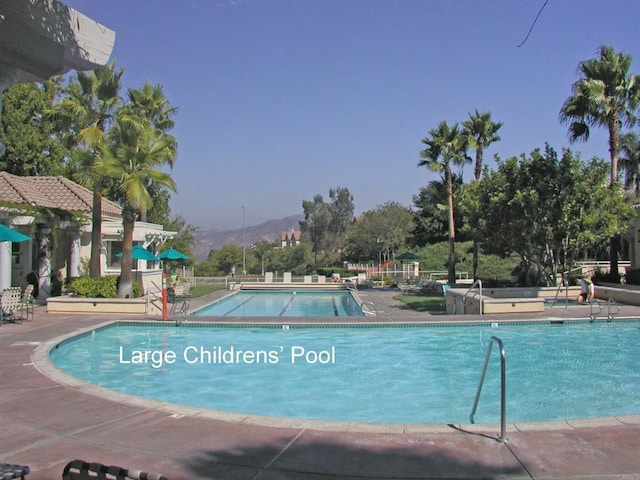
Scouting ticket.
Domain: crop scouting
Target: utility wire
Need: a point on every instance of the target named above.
(534, 23)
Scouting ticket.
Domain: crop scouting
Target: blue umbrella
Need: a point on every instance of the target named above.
(140, 253)
(8, 234)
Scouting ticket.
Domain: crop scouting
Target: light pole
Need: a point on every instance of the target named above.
(244, 248)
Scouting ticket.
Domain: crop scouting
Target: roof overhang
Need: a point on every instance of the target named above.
(43, 38)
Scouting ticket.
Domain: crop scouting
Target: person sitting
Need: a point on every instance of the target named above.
(587, 290)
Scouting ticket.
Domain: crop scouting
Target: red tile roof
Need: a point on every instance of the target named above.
(52, 192)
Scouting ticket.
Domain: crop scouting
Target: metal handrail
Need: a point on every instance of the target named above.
(592, 315)
(373, 313)
(564, 283)
(503, 386)
(464, 298)
(611, 302)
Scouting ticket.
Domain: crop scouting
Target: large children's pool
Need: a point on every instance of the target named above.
(382, 374)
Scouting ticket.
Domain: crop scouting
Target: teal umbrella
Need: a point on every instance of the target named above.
(172, 254)
(8, 234)
(140, 253)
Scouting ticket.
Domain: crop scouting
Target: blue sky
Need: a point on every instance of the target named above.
(280, 100)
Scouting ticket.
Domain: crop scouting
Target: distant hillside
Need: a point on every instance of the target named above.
(207, 240)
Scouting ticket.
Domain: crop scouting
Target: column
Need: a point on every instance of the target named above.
(74, 254)
(44, 262)
(6, 262)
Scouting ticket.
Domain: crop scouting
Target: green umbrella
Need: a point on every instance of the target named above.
(140, 253)
(8, 234)
(172, 254)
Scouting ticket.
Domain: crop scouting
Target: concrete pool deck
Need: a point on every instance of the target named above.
(46, 423)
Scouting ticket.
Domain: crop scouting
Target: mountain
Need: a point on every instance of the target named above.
(207, 240)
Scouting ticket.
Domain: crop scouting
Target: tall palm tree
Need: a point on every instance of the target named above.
(606, 95)
(481, 132)
(446, 146)
(90, 103)
(134, 156)
(630, 161)
(150, 103)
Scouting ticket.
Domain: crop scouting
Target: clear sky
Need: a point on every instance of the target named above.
(280, 100)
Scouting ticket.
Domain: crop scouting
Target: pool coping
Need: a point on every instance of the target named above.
(42, 362)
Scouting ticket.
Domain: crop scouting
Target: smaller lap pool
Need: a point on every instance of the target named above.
(285, 303)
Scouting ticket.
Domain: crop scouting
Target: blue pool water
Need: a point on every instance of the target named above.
(369, 374)
(287, 303)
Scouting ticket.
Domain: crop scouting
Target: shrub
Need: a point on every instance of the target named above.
(608, 277)
(103, 287)
(633, 277)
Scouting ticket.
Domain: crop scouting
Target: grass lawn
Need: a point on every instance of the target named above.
(200, 290)
(423, 303)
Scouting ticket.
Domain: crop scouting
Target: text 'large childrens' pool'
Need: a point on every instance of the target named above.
(382, 374)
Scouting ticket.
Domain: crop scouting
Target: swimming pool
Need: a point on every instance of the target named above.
(285, 303)
(381, 374)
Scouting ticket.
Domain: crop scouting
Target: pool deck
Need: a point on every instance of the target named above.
(47, 422)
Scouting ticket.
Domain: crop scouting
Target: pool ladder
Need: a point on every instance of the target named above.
(503, 387)
(613, 309)
(369, 309)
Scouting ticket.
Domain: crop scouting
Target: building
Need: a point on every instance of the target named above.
(56, 213)
(289, 239)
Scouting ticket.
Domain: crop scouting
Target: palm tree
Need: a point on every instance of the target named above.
(90, 104)
(630, 161)
(481, 132)
(150, 103)
(606, 95)
(135, 153)
(446, 146)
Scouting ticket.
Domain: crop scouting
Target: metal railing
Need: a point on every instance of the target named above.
(466, 298)
(610, 304)
(369, 309)
(153, 294)
(503, 386)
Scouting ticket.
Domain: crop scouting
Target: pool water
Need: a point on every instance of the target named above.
(285, 303)
(369, 374)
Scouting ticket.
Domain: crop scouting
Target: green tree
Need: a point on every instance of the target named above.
(34, 145)
(261, 250)
(184, 239)
(150, 104)
(544, 209)
(481, 132)
(134, 156)
(315, 226)
(446, 146)
(377, 234)
(630, 161)
(430, 216)
(605, 95)
(87, 109)
(223, 259)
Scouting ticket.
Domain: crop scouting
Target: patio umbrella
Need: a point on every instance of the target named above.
(172, 254)
(140, 253)
(8, 234)
(408, 256)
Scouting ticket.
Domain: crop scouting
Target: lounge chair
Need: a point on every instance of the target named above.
(10, 304)
(81, 470)
(26, 302)
(181, 296)
(9, 471)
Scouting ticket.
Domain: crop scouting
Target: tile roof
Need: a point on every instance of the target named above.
(52, 192)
